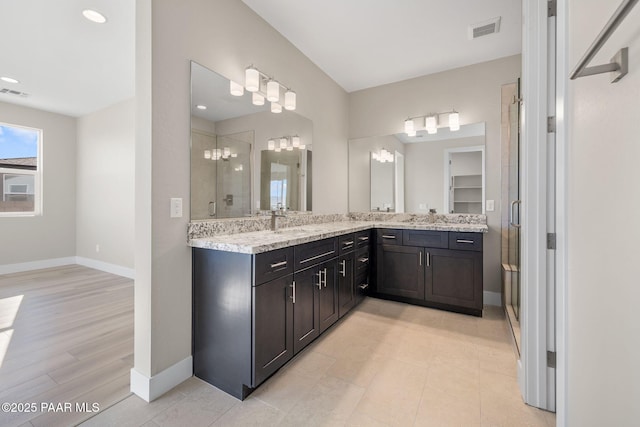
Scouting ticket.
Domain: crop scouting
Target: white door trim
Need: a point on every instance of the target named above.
(562, 174)
(533, 375)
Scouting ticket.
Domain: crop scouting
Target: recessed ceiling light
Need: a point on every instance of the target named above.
(201, 107)
(94, 16)
(9, 80)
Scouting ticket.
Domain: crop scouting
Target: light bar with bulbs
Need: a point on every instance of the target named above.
(285, 142)
(431, 122)
(263, 86)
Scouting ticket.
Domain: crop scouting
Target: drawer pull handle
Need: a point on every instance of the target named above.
(420, 262)
(465, 241)
(428, 259)
(363, 239)
(363, 260)
(316, 257)
(279, 264)
(387, 236)
(348, 243)
(364, 286)
(343, 268)
(293, 292)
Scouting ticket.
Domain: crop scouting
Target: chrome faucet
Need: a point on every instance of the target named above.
(274, 216)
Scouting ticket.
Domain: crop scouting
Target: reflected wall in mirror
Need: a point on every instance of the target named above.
(426, 179)
(228, 136)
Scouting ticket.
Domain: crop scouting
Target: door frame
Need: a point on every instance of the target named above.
(532, 366)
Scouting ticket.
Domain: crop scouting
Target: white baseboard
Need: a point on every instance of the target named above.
(36, 265)
(106, 267)
(57, 262)
(150, 389)
(492, 298)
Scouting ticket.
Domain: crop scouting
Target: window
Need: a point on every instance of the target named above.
(20, 170)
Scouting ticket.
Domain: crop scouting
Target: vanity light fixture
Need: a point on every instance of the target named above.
(9, 80)
(219, 153)
(252, 79)
(94, 16)
(383, 156)
(257, 99)
(273, 91)
(264, 86)
(454, 121)
(431, 122)
(290, 100)
(409, 126)
(236, 89)
(285, 142)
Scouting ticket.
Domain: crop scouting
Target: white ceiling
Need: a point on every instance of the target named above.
(66, 63)
(72, 66)
(366, 43)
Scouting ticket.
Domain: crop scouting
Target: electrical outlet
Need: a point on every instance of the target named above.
(97, 247)
(176, 207)
(423, 206)
(490, 205)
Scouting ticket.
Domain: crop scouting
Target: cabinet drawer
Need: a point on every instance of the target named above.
(465, 241)
(346, 243)
(363, 238)
(426, 239)
(362, 260)
(312, 253)
(389, 236)
(273, 264)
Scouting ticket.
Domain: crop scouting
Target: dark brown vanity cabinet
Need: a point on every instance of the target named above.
(346, 288)
(315, 307)
(273, 322)
(400, 271)
(253, 313)
(432, 268)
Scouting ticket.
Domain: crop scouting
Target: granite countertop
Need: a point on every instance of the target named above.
(256, 242)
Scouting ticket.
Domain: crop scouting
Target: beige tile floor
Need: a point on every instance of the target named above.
(384, 364)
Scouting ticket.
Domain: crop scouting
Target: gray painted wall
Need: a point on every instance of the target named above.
(474, 91)
(52, 234)
(105, 185)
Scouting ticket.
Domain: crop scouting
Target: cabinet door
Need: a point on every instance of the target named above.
(346, 291)
(400, 271)
(454, 277)
(328, 295)
(272, 327)
(306, 317)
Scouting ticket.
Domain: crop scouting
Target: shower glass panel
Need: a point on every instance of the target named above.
(233, 177)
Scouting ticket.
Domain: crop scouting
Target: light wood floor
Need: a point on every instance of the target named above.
(66, 336)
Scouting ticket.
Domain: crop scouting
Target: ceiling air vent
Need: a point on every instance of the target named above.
(484, 28)
(13, 92)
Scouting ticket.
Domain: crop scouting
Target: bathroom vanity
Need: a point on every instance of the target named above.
(260, 297)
